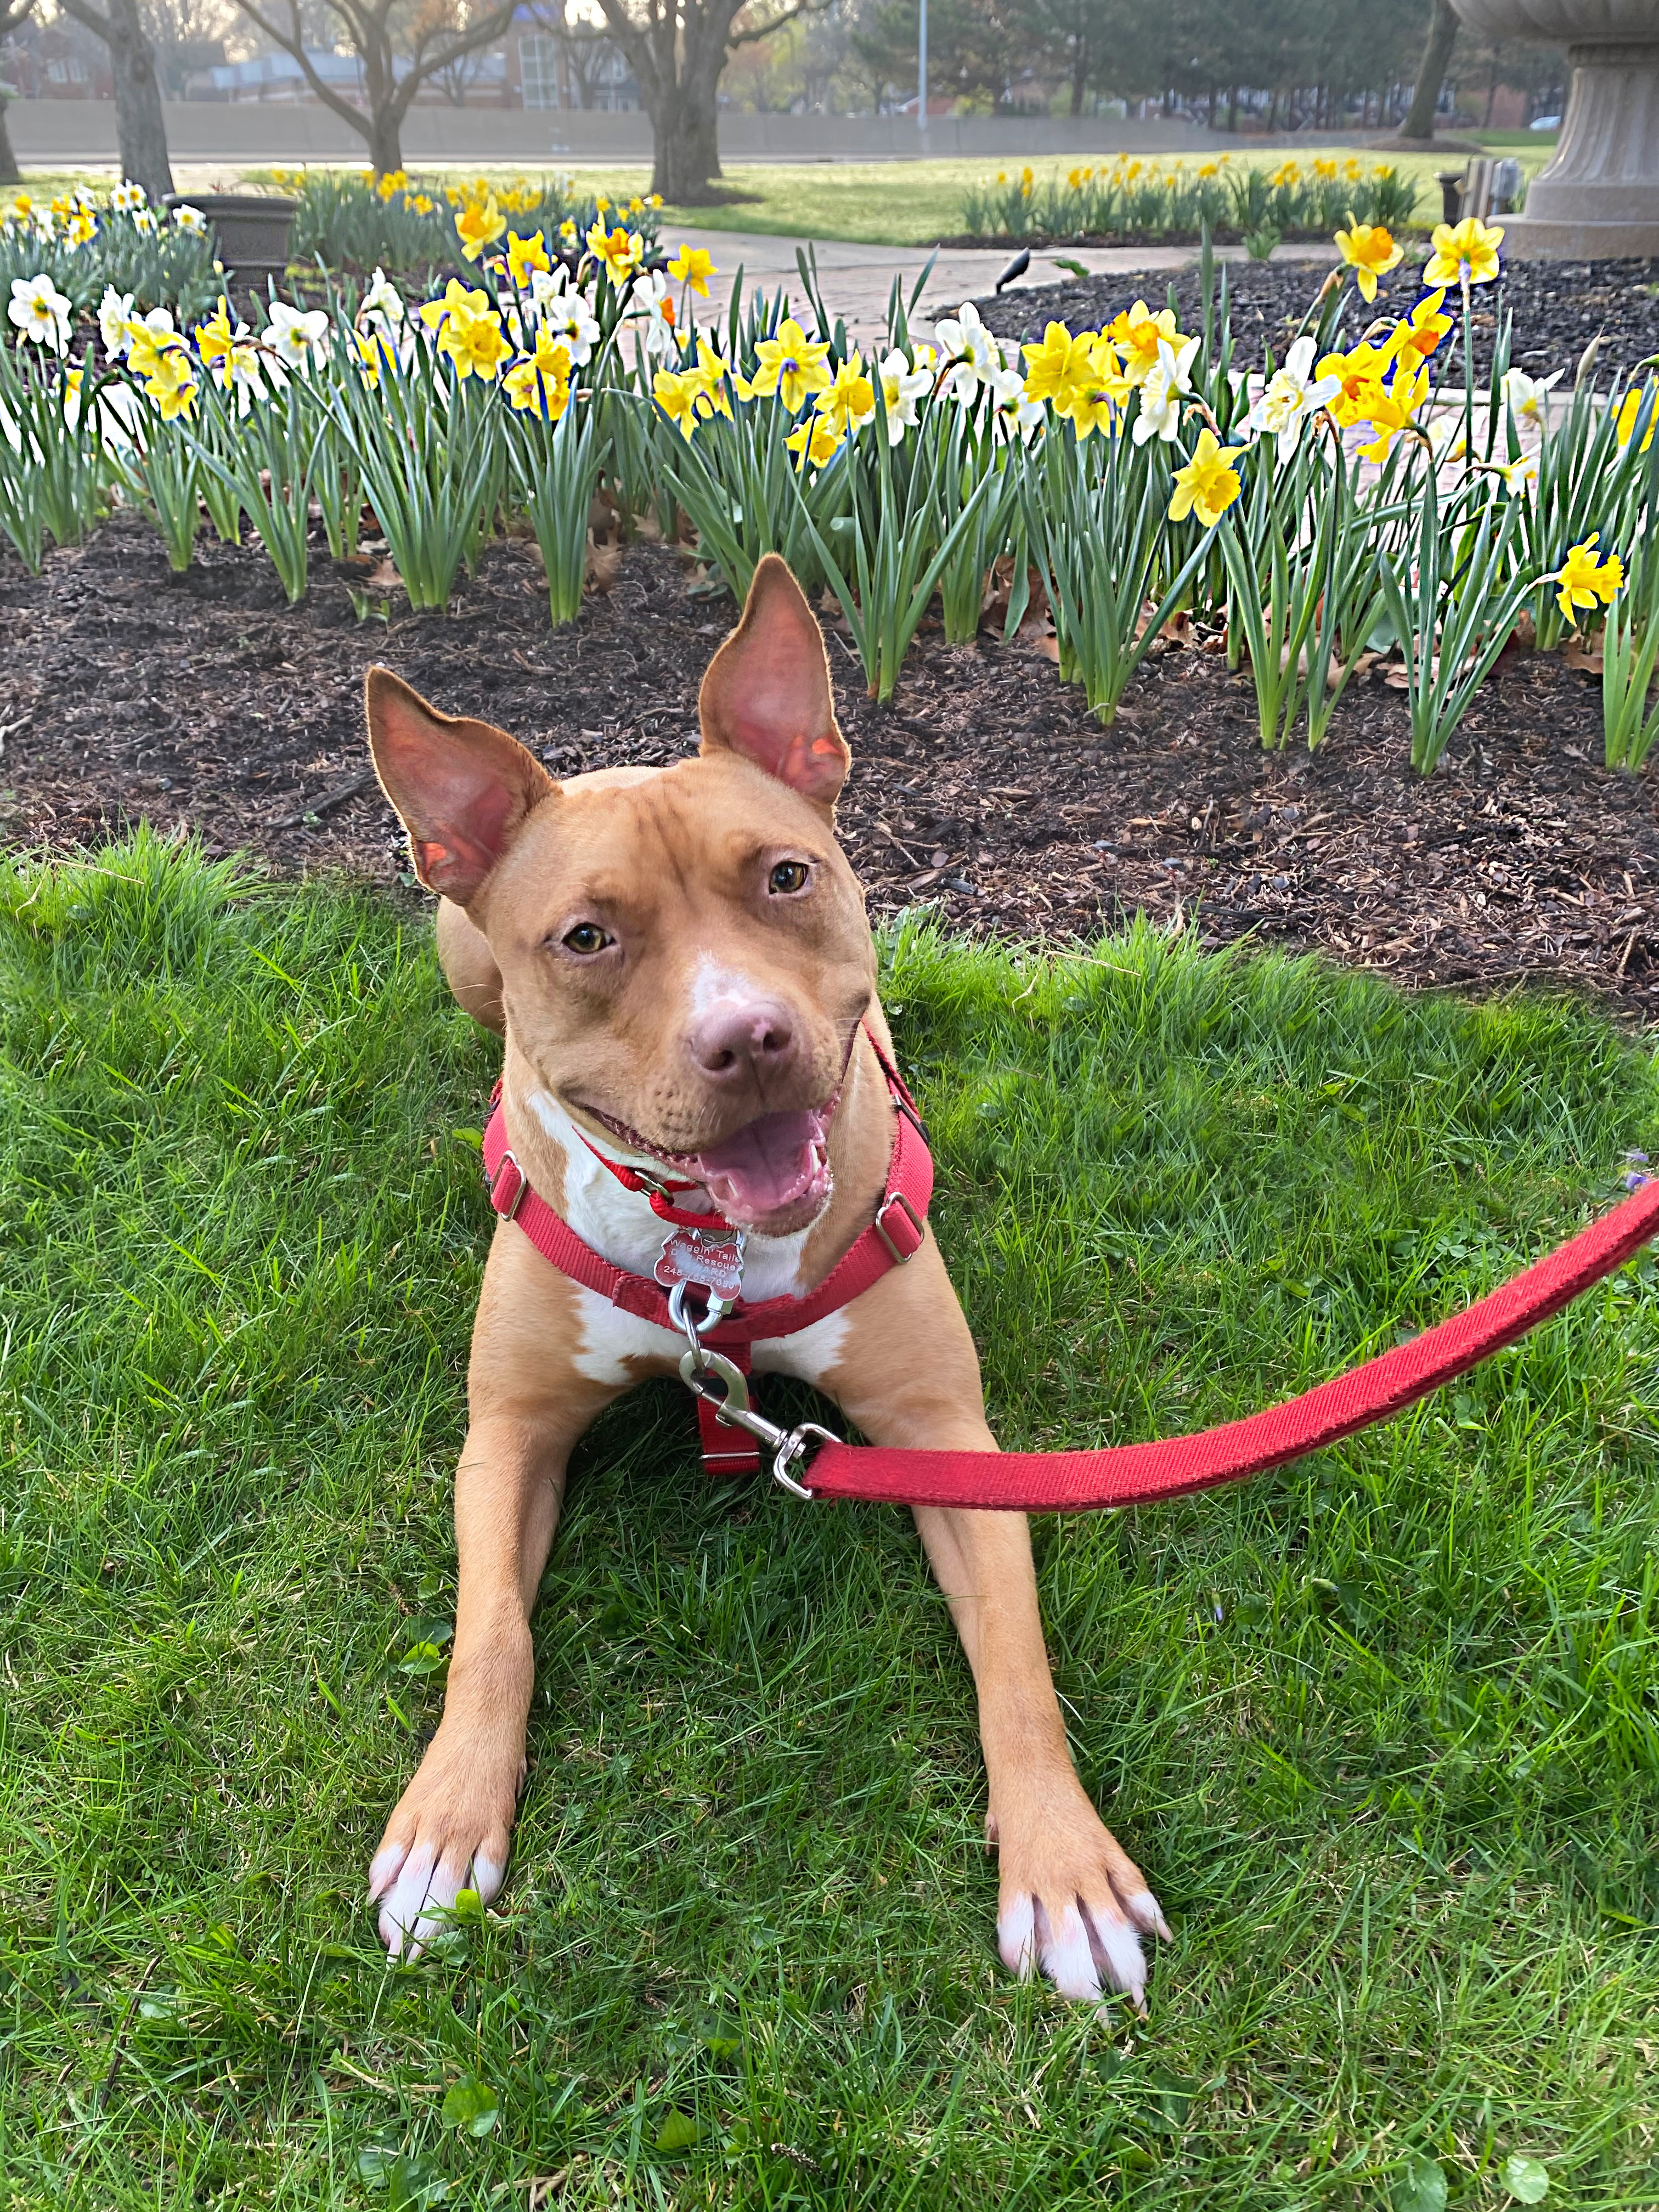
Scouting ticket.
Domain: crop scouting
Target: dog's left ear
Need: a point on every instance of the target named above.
(767, 692)
(462, 788)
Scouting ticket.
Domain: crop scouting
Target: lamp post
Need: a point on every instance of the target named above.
(921, 70)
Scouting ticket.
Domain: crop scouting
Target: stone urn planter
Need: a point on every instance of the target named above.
(1599, 197)
(251, 230)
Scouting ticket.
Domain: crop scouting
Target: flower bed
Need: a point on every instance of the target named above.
(1131, 201)
(1104, 499)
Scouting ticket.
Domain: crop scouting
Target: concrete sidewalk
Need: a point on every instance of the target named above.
(856, 280)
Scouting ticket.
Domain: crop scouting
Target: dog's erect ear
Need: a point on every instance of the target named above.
(461, 787)
(767, 692)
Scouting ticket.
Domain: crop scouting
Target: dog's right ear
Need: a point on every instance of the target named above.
(462, 788)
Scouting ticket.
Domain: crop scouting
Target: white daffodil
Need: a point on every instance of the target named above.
(1293, 398)
(650, 296)
(114, 313)
(1519, 477)
(73, 381)
(1015, 415)
(973, 352)
(1167, 381)
(566, 316)
(127, 198)
(383, 305)
(143, 219)
(297, 337)
(1446, 438)
(40, 312)
(191, 220)
(1529, 395)
(902, 386)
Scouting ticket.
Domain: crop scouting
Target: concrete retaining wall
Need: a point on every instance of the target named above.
(64, 133)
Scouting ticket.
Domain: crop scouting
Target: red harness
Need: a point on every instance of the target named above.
(895, 1234)
(1062, 1482)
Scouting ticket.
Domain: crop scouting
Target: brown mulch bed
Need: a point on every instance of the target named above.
(986, 786)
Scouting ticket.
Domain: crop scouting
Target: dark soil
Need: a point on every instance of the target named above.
(1558, 308)
(206, 701)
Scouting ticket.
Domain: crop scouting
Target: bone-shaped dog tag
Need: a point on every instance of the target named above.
(713, 1263)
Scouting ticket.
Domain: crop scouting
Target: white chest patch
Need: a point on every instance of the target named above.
(610, 1339)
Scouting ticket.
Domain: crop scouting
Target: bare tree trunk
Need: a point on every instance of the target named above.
(686, 132)
(1431, 73)
(9, 174)
(140, 132)
(1079, 76)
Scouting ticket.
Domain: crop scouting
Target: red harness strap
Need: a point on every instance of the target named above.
(895, 1236)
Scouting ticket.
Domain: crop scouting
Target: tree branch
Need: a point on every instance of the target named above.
(101, 27)
(776, 22)
(294, 45)
(12, 15)
(483, 32)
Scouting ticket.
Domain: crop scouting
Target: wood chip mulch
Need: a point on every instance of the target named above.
(985, 787)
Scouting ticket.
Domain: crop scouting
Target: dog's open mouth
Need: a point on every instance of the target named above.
(772, 1175)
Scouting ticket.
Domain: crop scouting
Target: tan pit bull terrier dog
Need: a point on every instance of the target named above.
(681, 964)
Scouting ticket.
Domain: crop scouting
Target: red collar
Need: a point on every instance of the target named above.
(895, 1234)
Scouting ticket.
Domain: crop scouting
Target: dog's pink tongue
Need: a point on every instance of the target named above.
(769, 1163)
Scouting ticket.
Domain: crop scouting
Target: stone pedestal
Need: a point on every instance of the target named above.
(1599, 196)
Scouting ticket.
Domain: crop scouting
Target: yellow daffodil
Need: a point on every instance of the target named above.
(478, 226)
(1370, 252)
(1101, 392)
(848, 401)
(1209, 484)
(540, 381)
(620, 252)
(814, 443)
(1055, 369)
(1423, 330)
(373, 353)
(1586, 578)
(1391, 410)
(171, 386)
(654, 199)
(476, 345)
(458, 305)
(692, 265)
(1136, 333)
(421, 204)
(601, 205)
(148, 348)
(790, 365)
(214, 337)
(1630, 408)
(1467, 249)
(710, 374)
(681, 397)
(523, 254)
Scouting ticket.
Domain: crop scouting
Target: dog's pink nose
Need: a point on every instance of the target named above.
(741, 1037)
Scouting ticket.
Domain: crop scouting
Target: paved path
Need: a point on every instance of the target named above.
(856, 280)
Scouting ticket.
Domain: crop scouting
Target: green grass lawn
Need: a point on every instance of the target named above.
(875, 202)
(1383, 1730)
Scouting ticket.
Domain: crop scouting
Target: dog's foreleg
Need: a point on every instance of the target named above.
(450, 1830)
(468, 966)
(1072, 1902)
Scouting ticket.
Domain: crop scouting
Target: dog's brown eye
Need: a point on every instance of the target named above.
(788, 876)
(587, 937)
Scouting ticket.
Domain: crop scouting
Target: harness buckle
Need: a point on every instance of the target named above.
(906, 1237)
(506, 1197)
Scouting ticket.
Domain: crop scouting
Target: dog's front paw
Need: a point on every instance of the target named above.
(1073, 1902)
(449, 1833)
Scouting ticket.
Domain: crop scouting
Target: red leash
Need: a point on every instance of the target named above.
(1036, 1482)
(1136, 1475)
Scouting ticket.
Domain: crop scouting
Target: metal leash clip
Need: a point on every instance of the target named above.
(699, 1367)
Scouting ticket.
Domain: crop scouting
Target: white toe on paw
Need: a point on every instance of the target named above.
(1142, 1908)
(400, 1907)
(1015, 1936)
(1066, 1954)
(487, 1875)
(1117, 1951)
(383, 1868)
